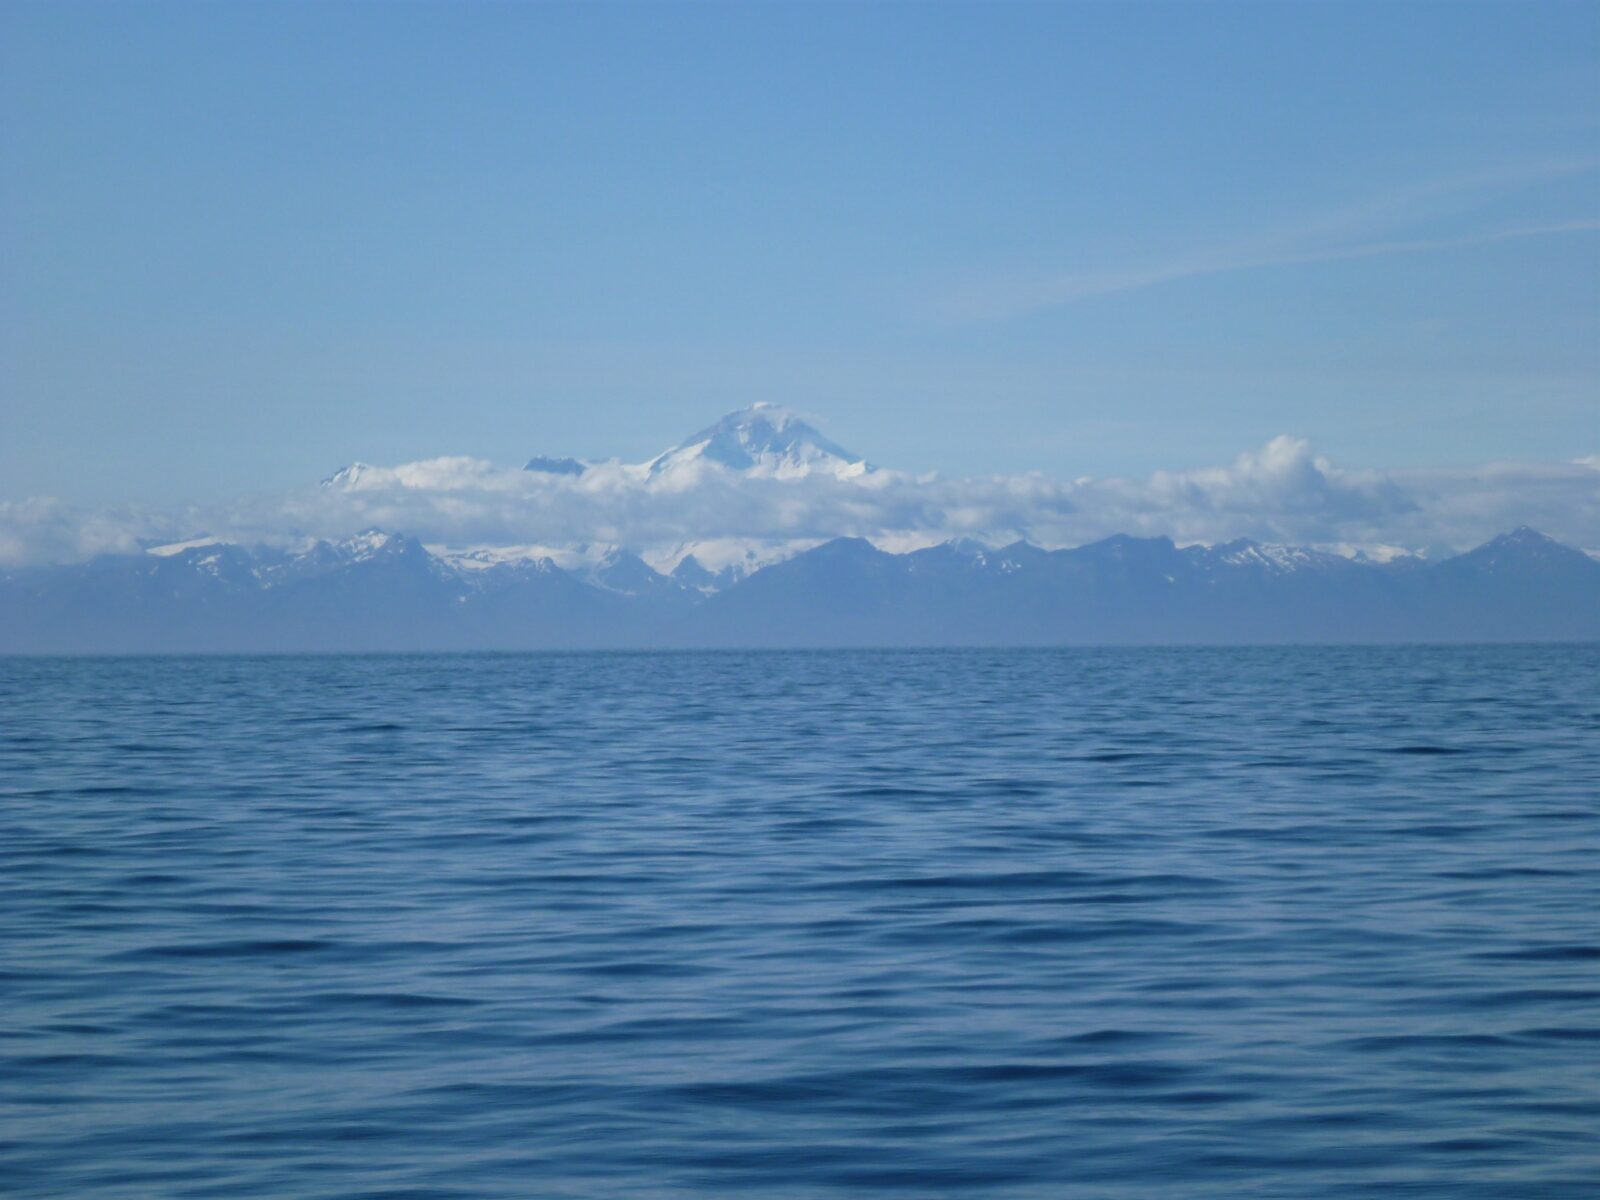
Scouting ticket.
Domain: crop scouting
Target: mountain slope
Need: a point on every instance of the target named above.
(1146, 590)
(1516, 581)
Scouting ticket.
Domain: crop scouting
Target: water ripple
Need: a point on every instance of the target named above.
(1275, 923)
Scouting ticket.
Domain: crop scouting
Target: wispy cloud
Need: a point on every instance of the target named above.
(1368, 229)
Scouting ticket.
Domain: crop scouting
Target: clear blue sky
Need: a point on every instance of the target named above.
(244, 244)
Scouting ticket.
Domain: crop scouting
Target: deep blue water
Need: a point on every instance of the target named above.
(1177, 923)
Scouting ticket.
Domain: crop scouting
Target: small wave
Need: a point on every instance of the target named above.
(255, 948)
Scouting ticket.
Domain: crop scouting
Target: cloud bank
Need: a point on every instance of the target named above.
(1282, 492)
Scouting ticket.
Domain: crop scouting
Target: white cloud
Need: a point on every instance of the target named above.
(43, 529)
(1282, 492)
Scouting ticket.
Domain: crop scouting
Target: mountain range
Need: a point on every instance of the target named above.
(383, 591)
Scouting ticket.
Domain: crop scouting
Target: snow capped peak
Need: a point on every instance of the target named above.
(1521, 543)
(351, 477)
(1245, 552)
(1521, 549)
(764, 440)
(368, 544)
(1274, 558)
(1523, 535)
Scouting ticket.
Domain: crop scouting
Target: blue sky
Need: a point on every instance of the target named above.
(244, 244)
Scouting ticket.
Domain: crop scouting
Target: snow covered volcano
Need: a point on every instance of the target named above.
(763, 440)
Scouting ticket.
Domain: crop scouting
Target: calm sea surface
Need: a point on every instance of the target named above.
(1135, 923)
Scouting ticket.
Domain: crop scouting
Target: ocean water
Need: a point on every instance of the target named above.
(1178, 923)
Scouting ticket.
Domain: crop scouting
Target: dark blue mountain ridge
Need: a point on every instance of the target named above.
(556, 466)
(386, 591)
